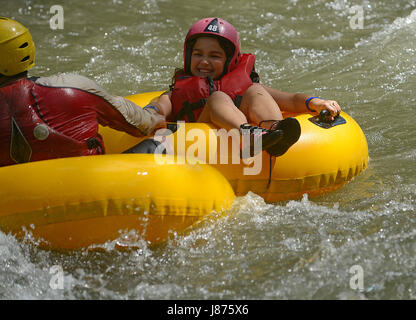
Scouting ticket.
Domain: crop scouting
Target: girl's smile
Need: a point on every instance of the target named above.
(207, 58)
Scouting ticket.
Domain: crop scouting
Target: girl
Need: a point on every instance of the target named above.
(219, 85)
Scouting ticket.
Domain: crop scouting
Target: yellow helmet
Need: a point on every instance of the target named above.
(17, 50)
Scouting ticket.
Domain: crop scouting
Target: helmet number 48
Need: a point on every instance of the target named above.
(212, 28)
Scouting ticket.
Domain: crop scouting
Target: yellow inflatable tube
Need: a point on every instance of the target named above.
(322, 160)
(73, 203)
(77, 202)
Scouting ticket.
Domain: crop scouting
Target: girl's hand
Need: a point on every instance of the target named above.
(318, 105)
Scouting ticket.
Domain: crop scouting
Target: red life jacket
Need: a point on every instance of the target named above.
(190, 93)
(40, 122)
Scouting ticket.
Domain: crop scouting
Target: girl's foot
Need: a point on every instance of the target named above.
(259, 139)
(291, 131)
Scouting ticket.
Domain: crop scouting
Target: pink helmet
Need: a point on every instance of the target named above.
(219, 28)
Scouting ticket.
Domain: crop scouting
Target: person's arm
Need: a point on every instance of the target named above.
(114, 111)
(298, 102)
(162, 104)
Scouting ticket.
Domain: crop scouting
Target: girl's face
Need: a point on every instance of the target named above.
(207, 58)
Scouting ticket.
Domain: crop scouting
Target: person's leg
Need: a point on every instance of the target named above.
(221, 111)
(149, 145)
(258, 105)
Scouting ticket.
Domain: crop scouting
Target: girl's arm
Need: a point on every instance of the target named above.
(296, 102)
(162, 103)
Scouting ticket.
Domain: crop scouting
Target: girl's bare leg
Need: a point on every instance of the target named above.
(221, 111)
(257, 104)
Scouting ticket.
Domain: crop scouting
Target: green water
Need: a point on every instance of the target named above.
(291, 250)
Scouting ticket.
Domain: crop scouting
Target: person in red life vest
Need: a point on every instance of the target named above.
(53, 117)
(219, 84)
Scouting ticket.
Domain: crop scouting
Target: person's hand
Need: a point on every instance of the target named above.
(332, 106)
(160, 120)
(160, 123)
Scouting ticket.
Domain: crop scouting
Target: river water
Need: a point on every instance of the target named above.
(356, 243)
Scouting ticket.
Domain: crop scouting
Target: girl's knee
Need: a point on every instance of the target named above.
(255, 88)
(218, 97)
(256, 93)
